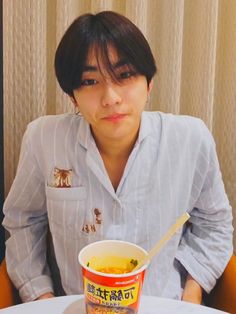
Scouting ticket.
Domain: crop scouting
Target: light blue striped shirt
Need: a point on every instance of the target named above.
(172, 168)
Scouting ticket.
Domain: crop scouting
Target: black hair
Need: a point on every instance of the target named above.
(100, 31)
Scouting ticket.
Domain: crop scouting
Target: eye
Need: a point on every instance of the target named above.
(126, 75)
(88, 82)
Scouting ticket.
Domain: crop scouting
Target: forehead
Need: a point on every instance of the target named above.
(98, 57)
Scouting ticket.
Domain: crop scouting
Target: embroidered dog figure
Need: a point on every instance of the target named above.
(62, 178)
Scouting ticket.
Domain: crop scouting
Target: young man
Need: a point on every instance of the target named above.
(114, 171)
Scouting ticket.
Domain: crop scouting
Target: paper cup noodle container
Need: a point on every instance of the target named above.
(112, 292)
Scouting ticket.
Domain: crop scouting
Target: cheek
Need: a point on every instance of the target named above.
(137, 95)
(87, 104)
(87, 110)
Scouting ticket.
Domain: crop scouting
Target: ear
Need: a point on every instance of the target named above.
(74, 101)
(150, 86)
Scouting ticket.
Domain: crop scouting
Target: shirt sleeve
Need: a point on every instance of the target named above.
(206, 245)
(26, 221)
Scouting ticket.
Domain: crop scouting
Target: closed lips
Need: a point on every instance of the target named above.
(115, 116)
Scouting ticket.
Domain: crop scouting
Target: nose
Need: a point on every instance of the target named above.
(111, 95)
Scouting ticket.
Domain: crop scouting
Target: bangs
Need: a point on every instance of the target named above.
(106, 63)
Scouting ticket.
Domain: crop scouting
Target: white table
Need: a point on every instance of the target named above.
(75, 305)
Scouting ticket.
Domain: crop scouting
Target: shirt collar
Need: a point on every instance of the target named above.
(145, 127)
(84, 133)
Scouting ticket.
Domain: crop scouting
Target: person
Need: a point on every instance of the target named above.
(112, 170)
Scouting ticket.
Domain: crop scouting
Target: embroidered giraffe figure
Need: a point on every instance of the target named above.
(98, 216)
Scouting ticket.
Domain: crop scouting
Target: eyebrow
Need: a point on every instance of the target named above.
(92, 68)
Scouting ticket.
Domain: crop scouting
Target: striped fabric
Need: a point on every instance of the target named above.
(173, 168)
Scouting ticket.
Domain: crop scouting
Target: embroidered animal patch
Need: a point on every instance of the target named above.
(98, 216)
(91, 228)
(62, 178)
(87, 228)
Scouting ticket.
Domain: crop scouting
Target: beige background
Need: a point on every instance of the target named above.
(194, 42)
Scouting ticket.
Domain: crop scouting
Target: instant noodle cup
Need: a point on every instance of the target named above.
(110, 285)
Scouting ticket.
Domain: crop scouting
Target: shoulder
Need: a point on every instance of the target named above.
(48, 125)
(181, 122)
(47, 131)
(169, 119)
(183, 129)
(188, 127)
(50, 120)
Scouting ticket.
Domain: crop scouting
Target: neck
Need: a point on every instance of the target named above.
(116, 149)
(115, 154)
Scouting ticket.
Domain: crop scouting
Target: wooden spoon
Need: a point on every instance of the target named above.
(156, 248)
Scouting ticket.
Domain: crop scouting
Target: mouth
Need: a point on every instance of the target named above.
(116, 117)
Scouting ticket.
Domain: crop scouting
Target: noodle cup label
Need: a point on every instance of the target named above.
(111, 292)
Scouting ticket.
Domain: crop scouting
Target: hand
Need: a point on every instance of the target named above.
(192, 291)
(47, 295)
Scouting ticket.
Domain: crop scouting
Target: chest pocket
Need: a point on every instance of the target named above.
(66, 210)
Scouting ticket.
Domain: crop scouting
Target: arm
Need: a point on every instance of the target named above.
(46, 296)
(26, 221)
(206, 245)
(192, 291)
